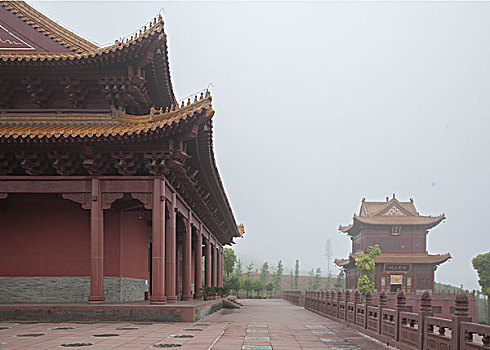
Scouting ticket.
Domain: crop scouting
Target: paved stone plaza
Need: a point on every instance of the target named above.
(261, 324)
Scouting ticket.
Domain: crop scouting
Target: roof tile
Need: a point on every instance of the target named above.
(115, 124)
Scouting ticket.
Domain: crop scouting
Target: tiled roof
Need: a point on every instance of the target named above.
(345, 228)
(342, 262)
(373, 208)
(48, 27)
(412, 258)
(400, 258)
(83, 48)
(390, 212)
(155, 29)
(400, 220)
(98, 125)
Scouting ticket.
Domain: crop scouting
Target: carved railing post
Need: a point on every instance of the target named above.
(346, 308)
(368, 302)
(425, 310)
(461, 314)
(315, 306)
(357, 300)
(401, 305)
(340, 299)
(327, 301)
(324, 301)
(315, 300)
(383, 302)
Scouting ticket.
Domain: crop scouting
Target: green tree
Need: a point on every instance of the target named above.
(481, 263)
(311, 277)
(365, 266)
(247, 285)
(258, 286)
(250, 269)
(269, 288)
(264, 271)
(229, 259)
(239, 268)
(232, 283)
(340, 282)
(317, 279)
(277, 276)
(296, 275)
(291, 280)
(328, 281)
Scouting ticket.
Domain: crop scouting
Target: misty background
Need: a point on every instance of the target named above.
(319, 104)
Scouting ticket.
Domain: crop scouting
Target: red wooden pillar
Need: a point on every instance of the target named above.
(221, 267)
(187, 261)
(96, 245)
(207, 262)
(170, 256)
(158, 244)
(214, 277)
(198, 265)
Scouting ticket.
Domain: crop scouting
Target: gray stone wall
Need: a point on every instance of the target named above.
(207, 310)
(68, 289)
(123, 289)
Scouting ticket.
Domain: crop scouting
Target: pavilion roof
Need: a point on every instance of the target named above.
(413, 258)
(89, 51)
(424, 258)
(46, 26)
(345, 262)
(56, 127)
(391, 212)
(136, 66)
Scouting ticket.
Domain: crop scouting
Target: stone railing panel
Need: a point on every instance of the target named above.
(361, 315)
(388, 323)
(475, 336)
(437, 333)
(351, 312)
(409, 328)
(372, 318)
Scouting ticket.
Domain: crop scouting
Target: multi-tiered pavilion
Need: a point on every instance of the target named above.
(401, 234)
(108, 186)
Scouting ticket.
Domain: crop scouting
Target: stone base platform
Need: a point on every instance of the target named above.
(182, 311)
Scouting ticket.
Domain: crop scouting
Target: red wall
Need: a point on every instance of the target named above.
(415, 237)
(44, 237)
(51, 237)
(134, 245)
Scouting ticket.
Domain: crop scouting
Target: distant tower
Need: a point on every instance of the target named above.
(401, 233)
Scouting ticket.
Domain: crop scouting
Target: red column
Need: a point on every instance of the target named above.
(96, 245)
(187, 261)
(221, 267)
(170, 253)
(158, 244)
(215, 267)
(198, 266)
(208, 263)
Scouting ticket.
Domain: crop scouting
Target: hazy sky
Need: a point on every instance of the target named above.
(320, 104)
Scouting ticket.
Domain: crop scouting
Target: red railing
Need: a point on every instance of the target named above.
(408, 327)
(438, 333)
(397, 326)
(474, 336)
